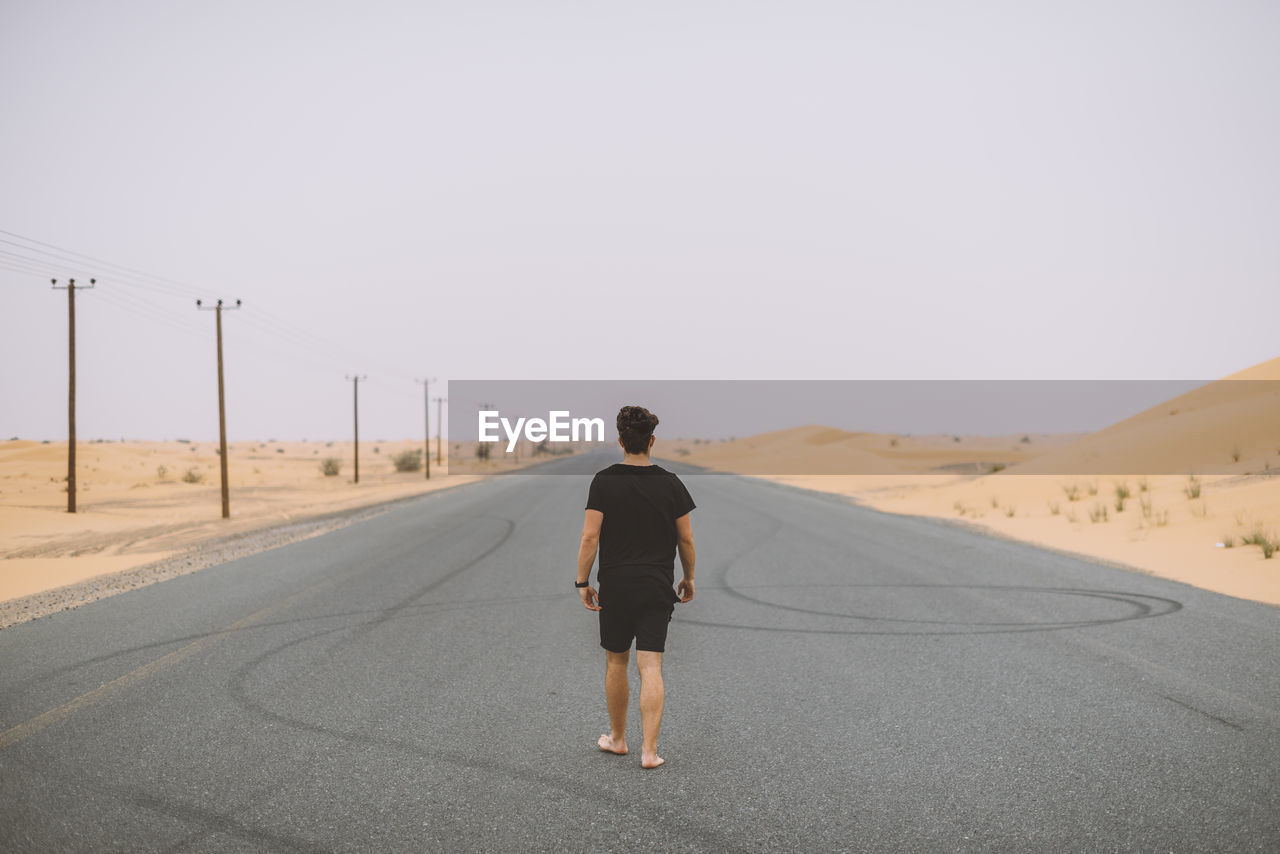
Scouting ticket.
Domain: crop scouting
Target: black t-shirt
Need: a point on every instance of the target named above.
(640, 506)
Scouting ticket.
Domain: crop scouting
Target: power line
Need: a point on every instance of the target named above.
(170, 287)
(83, 256)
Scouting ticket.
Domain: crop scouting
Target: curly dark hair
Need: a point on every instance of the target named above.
(635, 426)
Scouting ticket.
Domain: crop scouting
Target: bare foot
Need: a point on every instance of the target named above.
(608, 745)
(650, 760)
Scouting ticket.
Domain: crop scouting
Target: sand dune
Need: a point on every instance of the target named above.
(1192, 529)
(1229, 426)
(814, 449)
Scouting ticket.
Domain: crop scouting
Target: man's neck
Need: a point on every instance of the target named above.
(636, 459)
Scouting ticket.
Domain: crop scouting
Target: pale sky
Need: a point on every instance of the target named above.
(594, 190)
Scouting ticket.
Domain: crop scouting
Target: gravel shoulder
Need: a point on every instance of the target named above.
(209, 552)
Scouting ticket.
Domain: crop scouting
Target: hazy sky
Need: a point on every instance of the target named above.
(624, 190)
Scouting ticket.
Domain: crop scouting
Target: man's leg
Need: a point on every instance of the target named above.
(617, 692)
(651, 698)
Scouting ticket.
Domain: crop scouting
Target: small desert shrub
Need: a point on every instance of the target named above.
(995, 502)
(1162, 519)
(1200, 511)
(1026, 440)
(1098, 513)
(1072, 491)
(1262, 539)
(1192, 489)
(193, 475)
(1144, 485)
(959, 507)
(1144, 502)
(1091, 487)
(279, 450)
(1235, 454)
(376, 449)
(684, 452)
(1010, 510)
(408, 460)
(893, 443)
(1122, 495)
(1054, 508)
(161, 472)
(995, 467)
(1228, 541)
(331, 466)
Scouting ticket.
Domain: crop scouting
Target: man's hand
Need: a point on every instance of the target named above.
(589, 599)
(685, 589)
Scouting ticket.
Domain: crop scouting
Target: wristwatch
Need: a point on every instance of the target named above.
(581, 584)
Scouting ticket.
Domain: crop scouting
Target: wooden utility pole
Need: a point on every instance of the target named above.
(439, 406)
(426, 406)
(217, 310)
(355, 390)
(70, 288)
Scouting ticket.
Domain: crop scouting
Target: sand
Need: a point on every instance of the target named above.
(1230, 428)
(135, 505)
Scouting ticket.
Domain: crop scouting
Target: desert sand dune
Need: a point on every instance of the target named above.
(1077, 494)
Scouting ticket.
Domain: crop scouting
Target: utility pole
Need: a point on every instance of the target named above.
(487, 407)
(439, 406)
(426, 407)
(355, 389)
(222, 408)
(70, 288)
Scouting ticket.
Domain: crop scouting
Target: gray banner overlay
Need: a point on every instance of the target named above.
(877, 427)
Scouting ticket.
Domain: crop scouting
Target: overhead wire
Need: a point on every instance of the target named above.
(320, 347)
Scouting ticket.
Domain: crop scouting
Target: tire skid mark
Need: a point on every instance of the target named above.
(1141, 609)
(1223, 721)
(210, 821)
(49, 675)
(237, 689)
(388, 613)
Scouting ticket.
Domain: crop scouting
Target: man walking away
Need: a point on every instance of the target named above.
(638, 517)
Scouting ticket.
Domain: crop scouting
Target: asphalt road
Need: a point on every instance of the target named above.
(844, 680)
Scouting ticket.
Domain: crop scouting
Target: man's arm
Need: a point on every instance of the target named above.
(587, 556)
(688, 556)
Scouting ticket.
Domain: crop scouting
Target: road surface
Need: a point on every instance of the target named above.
(844, 680)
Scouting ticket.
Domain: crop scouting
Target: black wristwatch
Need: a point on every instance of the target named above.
(581, 584)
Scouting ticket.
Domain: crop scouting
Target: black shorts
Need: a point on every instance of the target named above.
(635, 610)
